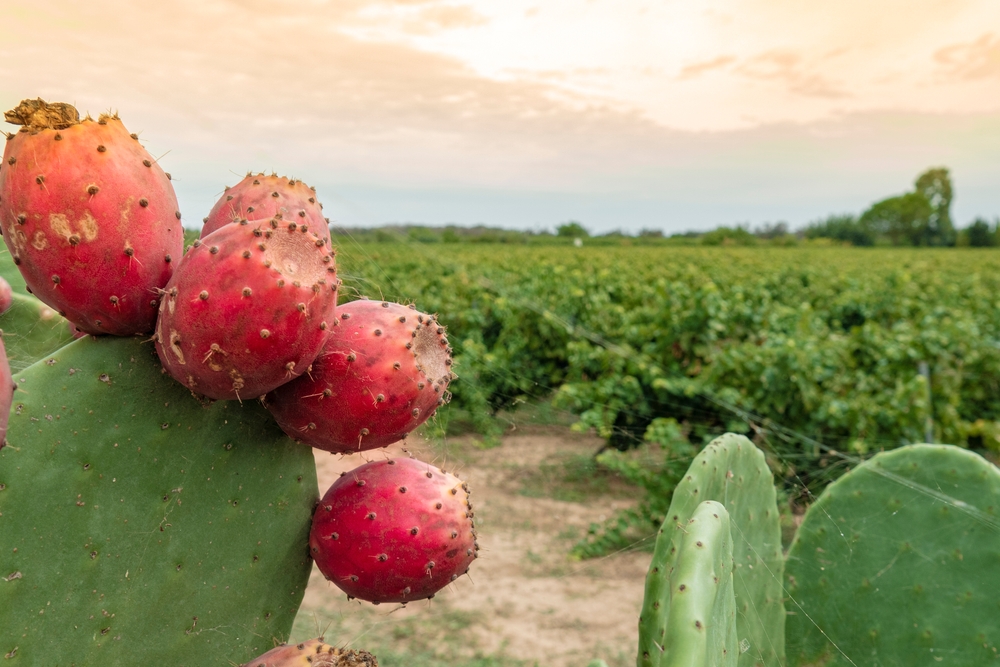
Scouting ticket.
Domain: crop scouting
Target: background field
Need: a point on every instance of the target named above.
(588, 377)
(854, 349)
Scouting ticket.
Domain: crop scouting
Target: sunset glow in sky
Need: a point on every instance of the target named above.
(526, 113)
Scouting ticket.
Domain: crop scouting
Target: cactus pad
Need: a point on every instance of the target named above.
(32, 330)
(898, 563)
(139, 527)
(733, 472)
(700, 628)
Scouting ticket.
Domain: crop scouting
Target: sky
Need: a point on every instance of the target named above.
(620, 114)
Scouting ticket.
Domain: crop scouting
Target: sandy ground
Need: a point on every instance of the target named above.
(525, 597)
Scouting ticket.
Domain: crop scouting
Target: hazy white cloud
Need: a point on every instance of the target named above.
(788, 69)
(697, 69)
(768, 60)
(675, 114)
(445, 17)
(979, 59)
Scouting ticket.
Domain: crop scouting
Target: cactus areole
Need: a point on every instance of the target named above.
(89, 217)
(394, 531)
(248, 309)
(384, 370)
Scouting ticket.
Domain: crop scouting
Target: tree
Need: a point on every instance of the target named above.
(572, 229)
(982, 234)
(935, 185)
(904, 219)
(738, 235)
(842, 227)
(771, 230)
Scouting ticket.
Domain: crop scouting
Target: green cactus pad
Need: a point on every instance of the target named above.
(733, 472)
(898, 564)
(701, 617)
(138, 527)
(31, 330)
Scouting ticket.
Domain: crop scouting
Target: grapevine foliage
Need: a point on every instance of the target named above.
(828, 343)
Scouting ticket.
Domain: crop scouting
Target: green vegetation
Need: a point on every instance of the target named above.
(825, 343)
(810, 352)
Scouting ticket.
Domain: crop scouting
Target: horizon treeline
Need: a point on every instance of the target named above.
(920, 217)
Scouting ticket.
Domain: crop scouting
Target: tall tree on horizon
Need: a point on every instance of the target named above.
(935, 185)
(920, 218)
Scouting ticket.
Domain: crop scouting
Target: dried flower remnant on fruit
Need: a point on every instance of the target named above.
(76, 211)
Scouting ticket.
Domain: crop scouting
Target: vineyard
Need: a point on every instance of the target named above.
(815, 353)
(823, 356)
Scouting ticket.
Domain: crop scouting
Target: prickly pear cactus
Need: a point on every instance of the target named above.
(139, 527)
(733, 472)
(82, 194)
(394, 531)
(383, 371)
(897, 564)
(313, 653)
(697, 615)
(262, 196)
(31, 329)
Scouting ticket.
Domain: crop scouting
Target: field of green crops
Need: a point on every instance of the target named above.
(813, 352)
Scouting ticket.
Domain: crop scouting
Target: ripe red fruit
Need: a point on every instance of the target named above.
(6, 295)
(394, 531)
(89, 217)
(248, 309)
(384, 370)
(260, 197)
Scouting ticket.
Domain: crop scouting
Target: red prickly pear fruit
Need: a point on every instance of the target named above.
(7, 388)
(89, 217)
(384, 370)
(260, 197)
(394, 531)
(247, 309)
(313, 653)
(6, 296)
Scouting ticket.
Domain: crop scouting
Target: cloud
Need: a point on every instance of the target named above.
(302, 87)
(787, 67)
(699, 68)
(253, 92)
(972, 60)
(438, 17)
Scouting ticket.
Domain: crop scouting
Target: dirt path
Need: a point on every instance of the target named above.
(526, 599)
